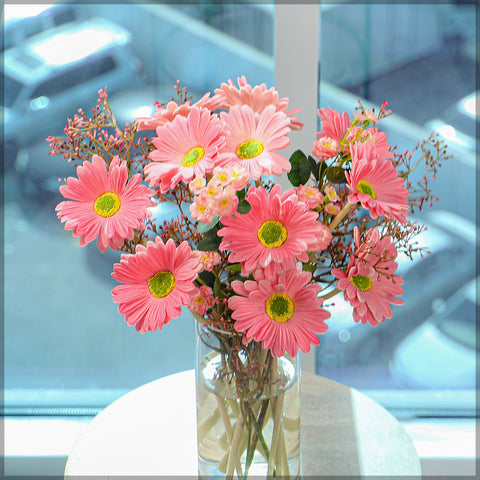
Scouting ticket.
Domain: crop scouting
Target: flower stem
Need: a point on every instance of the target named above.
(228, 429)
(277, 404)
(340, 216)
(234, 446)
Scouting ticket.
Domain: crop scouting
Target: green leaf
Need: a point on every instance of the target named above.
(241, 194)
(315, 167)
(217, 289)
(336, 174)
(210, 242)
(234, 267)
(208, 278)
(323, 169)
(203, 227)
(300, 171)
(243, 206)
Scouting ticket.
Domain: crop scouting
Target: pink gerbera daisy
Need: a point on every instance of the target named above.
(156, 281)
(185, 148)
(167, 113)
(279, 228)
(254, 140)
(104, 204)
(282, 311)
(370, 283)
(375, 184)
(257, 97)
(334, 124)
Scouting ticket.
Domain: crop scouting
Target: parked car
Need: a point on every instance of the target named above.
(459, 122)
(442, 352)
(21, 21)
(429, 281)
(54, 74)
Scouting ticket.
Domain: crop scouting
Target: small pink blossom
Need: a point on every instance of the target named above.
(366, 115)
(208, 259)
(204, 300)
(226, 202)
(196, 185)
(332, 208)
(310, 195)
(201, 209)
(325, 148)
(332, 194)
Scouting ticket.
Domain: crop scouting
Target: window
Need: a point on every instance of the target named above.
(67, 345)
(419, 58)
(68, 351)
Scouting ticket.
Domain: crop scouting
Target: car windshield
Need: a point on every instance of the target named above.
(12, 90)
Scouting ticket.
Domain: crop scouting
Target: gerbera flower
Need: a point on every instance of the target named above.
(257, 97)
(284, 312)
(167, 113)
(185, 148)
(376, 185)
(279, 228)
(369, 283)
(254, 140)
(104, 204)
(156, 281)
(334, 124)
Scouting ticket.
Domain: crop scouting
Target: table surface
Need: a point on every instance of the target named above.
(152, 431)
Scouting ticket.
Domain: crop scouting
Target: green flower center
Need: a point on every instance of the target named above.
(361, 282)
(280, 307)
(193, 156)
(249, 149)
(161, 284)
(107, 204)
(364, 187)
(272, 234)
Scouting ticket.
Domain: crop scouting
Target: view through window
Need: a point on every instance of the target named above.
(65, 343)
(420, 58)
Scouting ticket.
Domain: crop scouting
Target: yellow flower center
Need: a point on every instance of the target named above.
(361, 282)
(193, 156)
(280, 307)
(107, 204)
(249, 149)
(161, 284)
(272, 234)
(364, 187)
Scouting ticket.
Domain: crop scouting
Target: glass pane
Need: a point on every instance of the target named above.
(65, 343)
(420, 59)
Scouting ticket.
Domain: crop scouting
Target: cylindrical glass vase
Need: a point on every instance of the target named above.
(248, 408)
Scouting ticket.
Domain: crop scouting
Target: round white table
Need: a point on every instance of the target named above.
(152, 431)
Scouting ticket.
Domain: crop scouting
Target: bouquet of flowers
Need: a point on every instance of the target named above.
(253, 263)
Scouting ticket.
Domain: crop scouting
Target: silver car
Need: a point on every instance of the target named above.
(53, 74)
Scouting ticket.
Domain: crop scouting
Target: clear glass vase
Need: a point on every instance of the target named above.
(248, 408)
